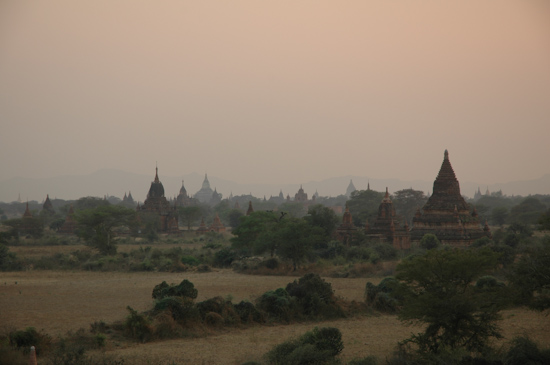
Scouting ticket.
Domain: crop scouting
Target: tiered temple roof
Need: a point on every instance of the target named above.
(250, 209)
(217, 225)
(48, 206)
(300, 196)
(157, 203)
(70, 225)
(202, 228)
(446, 214)
(183, 199)
(387, 227)
(345, 231)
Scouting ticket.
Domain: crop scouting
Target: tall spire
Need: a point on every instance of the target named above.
(157, 174)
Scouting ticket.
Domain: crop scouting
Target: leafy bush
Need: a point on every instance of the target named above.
(358, 253)
(8, 260)
(276, 304)
(224, 257)
(386, 251)
(369, 360)
(319, 346)
(183, 289)
(271, 263)
(523, 351)
(213, 319)
(137, 326)
(28, 337)
(220, 306)
(488, 283)
(314, 296)
(248, 312)
(190, 260)
(181, 308)
(429, 241)
(384, 296)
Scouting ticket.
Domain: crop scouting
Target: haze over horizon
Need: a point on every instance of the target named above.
(276, 92)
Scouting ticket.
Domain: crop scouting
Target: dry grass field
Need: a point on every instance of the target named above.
(57, 302)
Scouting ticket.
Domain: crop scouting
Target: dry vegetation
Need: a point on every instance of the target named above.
(57, 302)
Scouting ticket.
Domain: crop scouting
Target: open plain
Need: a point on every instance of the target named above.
(59, 301)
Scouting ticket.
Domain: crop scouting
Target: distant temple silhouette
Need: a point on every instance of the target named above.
(156, 203)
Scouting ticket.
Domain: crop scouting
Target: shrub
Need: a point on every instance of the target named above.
(183, 289)
(166, 326)
(523, 351)
(224, 257)
(429, 241)
(386, 251)
(213, 319)
(137, 325)
(358, 253)
(276, 304)
(314, 296)
(384, 297)
(488, 283)
(190, 260)
(319, 346)
(248, 312)
(215, 304)
(181, 308)
(271, 263)
(369, 360)
(220, 306)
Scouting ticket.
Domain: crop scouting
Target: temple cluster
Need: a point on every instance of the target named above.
(445, 215)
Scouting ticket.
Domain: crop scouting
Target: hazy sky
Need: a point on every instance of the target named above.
(276, 91)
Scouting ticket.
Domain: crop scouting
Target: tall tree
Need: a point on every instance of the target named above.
(323, 217)
(438, 292)
(363, 205)
(96, 226)
(251, 227)
(407, 201)
(190, 215)
(531, 277)
(296, 239)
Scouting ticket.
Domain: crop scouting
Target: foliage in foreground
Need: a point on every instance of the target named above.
(319, 346)
(438, 292)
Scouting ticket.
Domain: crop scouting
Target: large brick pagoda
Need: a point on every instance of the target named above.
(446, 214)
(157, 203)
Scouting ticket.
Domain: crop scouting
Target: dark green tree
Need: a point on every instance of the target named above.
(429, 241)
(528, 211)
(31, 226)
(544, 221)
(363, 205)
(251, 227)
(438, 292)
(96, 226)
(296, 239)
(294, 209)
(499, 215)
(530, 277)
(190, 215)
(323, 217)
(407, 201)
(89, 202)
(234, 217)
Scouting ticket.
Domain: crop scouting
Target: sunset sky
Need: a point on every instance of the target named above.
(276, 91)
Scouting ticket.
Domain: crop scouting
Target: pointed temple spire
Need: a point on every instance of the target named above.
(250, 209)
(446, 214)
